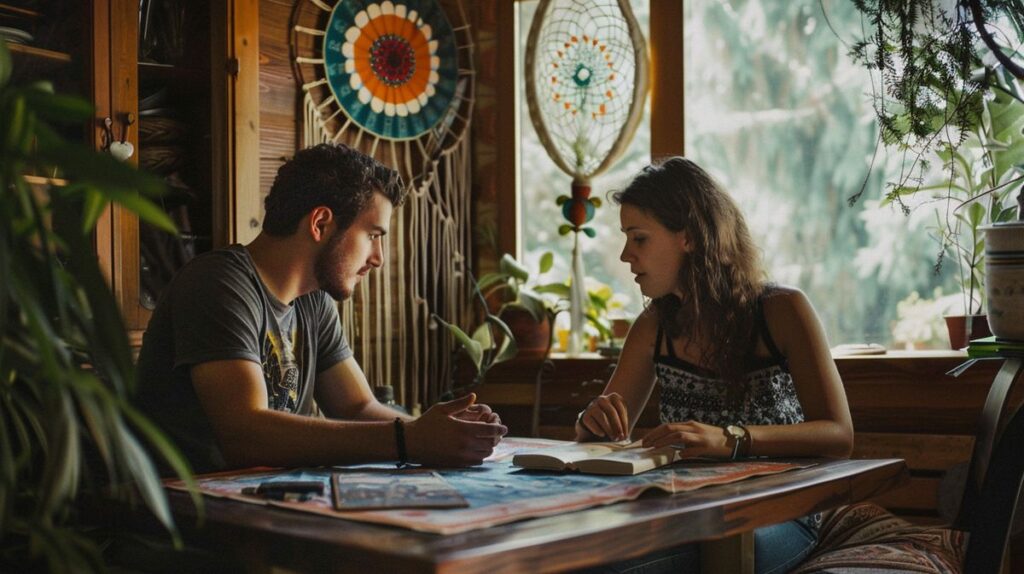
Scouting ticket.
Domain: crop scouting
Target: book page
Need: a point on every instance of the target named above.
(633, 460)
(560, 457)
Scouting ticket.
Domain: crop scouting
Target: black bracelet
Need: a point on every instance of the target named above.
(403, 456)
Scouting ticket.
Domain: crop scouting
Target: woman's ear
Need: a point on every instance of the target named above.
(684, 242)
(320, 220)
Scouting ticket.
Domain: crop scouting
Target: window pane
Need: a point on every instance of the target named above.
(541, 182)
(780, 115)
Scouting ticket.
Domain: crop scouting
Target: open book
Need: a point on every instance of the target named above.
(622, 458)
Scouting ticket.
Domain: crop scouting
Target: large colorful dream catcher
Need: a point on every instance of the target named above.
(586, 80)
(394, 79)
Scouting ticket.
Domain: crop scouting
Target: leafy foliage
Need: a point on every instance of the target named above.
(978, 180)
(66, 370)
(491, 343)
(934, 72)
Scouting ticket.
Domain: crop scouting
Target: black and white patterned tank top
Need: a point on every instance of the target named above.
(689, 392)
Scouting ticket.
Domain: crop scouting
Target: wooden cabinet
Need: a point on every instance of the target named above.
(179, 81)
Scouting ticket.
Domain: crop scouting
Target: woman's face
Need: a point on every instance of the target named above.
(654, 253)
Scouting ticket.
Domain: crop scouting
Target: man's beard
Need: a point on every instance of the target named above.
(327, 263)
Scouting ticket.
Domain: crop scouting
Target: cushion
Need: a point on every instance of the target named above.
(865, 538)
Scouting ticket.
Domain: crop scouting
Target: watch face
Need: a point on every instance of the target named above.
(735, 431)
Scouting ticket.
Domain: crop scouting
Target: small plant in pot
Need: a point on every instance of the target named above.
(528, 307)
(491, 342)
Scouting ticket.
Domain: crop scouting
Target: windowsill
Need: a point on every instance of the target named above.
(923, 355)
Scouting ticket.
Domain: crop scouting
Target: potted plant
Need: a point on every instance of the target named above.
(527, 306)
(491, 342)
(65, 365)
(980, 177)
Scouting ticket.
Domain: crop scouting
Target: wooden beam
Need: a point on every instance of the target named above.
(666, 49)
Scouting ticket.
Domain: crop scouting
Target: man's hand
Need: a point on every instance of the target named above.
(456, 433)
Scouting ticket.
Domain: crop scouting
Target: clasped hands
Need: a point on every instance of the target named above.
(607, 417)
(455, 433)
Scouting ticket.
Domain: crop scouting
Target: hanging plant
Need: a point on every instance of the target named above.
(936, 62)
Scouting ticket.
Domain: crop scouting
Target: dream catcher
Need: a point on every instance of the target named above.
(394, 79)
(586, 79)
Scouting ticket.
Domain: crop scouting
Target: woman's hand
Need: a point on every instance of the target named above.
(606, 417)
(692, 438)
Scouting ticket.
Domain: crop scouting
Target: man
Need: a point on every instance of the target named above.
(245, 338)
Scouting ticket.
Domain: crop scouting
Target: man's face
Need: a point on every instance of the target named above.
(351, 254)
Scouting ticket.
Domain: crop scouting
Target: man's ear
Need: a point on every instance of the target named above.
(320, 221)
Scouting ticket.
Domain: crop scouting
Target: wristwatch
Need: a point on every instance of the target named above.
(738, 437)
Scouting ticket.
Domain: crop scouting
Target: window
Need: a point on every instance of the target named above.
(541, 182)
(776, 110)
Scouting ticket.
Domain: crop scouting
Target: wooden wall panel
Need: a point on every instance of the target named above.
(279, 99)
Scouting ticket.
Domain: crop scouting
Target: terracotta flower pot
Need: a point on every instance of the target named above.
(533, 337)
(959, 335)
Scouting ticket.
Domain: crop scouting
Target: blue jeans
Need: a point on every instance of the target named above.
(777, 549)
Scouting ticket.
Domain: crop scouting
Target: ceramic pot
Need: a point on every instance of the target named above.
(1004, 278)
(959, 335)
(1004, 239)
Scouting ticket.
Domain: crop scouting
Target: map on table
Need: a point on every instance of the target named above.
(497, 492)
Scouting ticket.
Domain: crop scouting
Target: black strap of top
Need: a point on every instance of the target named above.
(760, 329)
(766, 335)
(668, 343)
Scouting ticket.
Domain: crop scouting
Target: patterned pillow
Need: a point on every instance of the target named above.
(867, 538)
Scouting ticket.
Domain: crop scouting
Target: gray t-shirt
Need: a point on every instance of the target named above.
(217, 308)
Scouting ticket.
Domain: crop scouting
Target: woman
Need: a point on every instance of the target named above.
(744, 365)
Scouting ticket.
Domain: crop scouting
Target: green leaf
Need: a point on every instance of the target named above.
(590, 232)
(976, 214)
(546, 262)
(564, 229)
(512, 268)
(5, 64)
(533, 303)
(473, 348)
(1007, 128)
(559, 289)
(93, 209)
(482, 335)
(508, 348)
(167, 451)
(60, 108)
(490, 279)
(147, 211)
(147, 481)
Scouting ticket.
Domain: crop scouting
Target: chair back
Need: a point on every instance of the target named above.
(995, 475)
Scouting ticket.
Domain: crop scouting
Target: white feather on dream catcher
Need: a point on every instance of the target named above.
(395, 80)
(586, 82)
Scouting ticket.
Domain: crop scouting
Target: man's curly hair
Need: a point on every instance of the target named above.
(331, 175)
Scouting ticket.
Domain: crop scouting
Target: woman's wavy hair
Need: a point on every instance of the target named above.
(722, 279)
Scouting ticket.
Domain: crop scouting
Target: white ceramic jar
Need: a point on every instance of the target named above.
(1004, 278)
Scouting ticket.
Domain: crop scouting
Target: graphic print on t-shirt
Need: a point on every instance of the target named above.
(281, 371)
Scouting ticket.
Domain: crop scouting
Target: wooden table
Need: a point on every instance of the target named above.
(264, 537)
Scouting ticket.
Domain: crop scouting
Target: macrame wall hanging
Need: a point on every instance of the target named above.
(395, 80)
(586, 82)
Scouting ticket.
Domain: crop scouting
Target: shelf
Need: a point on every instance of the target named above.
(18, 11)
(169, 72)
(32, 51)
